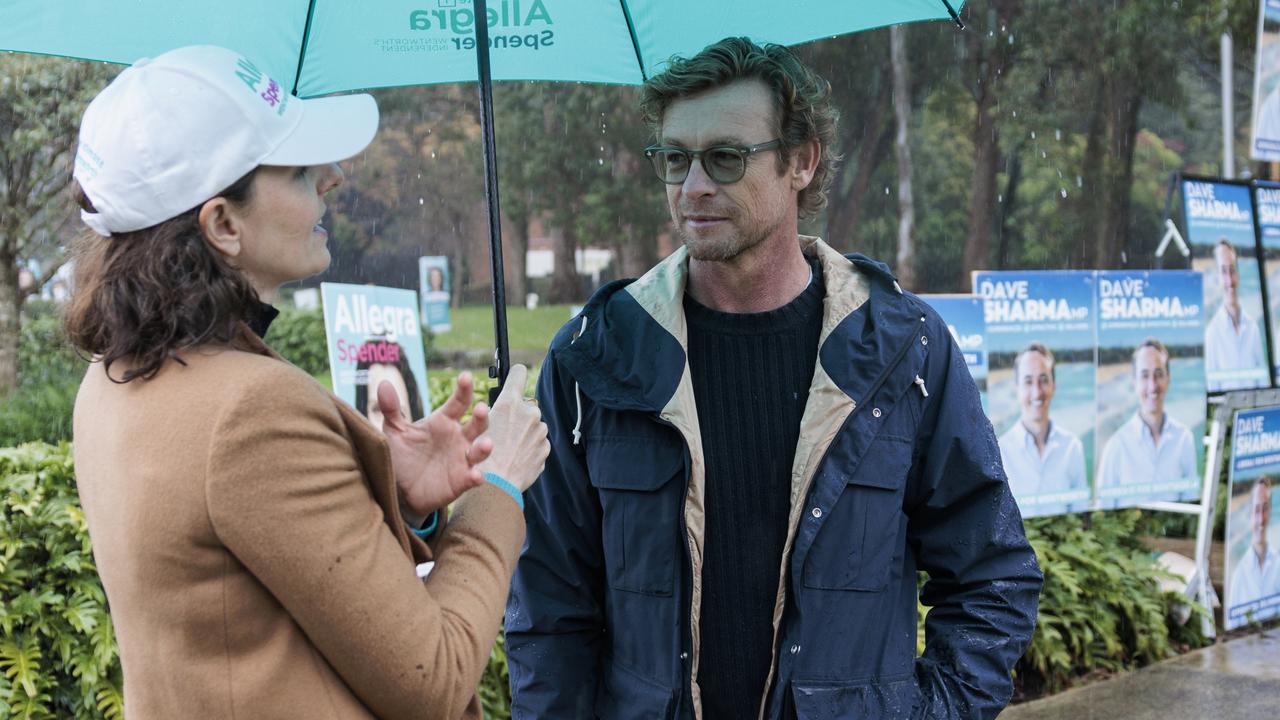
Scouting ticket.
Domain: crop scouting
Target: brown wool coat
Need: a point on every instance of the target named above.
(246, 528)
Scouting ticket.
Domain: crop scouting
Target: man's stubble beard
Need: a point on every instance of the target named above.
(727, 248)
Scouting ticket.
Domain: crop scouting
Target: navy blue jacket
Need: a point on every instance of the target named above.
(897, 471)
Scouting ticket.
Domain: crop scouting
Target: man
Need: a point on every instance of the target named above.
(1232, 343)
(755, 447)
(1150, 447)
(1040, 457)
(1257, 577)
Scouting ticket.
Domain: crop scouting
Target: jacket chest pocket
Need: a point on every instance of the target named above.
(641, 494)
(861, 536)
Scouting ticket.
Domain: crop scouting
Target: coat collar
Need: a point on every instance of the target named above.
(627, 349)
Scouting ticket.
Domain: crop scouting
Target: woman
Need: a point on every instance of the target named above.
(246, 524)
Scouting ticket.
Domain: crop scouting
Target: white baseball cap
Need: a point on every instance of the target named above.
(173, 131)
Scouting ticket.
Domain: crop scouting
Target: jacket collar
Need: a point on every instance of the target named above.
(627, 349)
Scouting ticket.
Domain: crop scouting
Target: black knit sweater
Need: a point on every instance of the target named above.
(751, 375)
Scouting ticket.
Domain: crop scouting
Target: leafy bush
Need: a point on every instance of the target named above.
(58, 650)
(49, 373)
(1101, 608)
(298, 335)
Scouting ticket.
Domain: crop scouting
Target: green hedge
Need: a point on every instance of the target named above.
(1101, 607)
(58, 651)
(49, 373)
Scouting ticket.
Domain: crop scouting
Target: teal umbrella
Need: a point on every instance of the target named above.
(328, 46)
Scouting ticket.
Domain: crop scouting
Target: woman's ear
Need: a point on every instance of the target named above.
(221, 226)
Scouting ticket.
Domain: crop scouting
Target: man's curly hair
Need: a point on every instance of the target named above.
(801, 100)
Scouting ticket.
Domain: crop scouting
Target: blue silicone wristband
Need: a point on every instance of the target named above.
(506, 487)
(425, 532)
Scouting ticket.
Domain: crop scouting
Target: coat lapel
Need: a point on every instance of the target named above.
(371, 452)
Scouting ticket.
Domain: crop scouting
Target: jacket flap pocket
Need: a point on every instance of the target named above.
(895, 697)
(636, 464)
(885, 465)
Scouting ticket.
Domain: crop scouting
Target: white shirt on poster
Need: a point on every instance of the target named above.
(1133, 456)
(1059, 469)
(1231, 347)
(1268, 127)
(1251, 581)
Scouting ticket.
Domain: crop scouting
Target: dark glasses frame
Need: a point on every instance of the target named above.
(657, 155)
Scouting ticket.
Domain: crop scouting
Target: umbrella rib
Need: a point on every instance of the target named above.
(635, 41)
(954, 16)
(306, 38)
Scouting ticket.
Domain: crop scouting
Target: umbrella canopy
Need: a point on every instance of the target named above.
(328, 46)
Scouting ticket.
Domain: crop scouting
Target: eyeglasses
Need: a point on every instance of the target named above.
(726, 164)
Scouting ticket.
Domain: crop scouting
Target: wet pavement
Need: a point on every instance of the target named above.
(1235, 680)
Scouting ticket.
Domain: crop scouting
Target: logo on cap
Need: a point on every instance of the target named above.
(272, 95)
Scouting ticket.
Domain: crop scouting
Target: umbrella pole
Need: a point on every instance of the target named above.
(502, 354)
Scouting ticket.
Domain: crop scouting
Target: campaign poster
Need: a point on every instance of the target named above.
(963, 315)
(1150, 386)
(1266, 204)
(1220, 230)
(1253, 537)
(433, 279)
(1041, 338)
(1265, 143)
(374, 334)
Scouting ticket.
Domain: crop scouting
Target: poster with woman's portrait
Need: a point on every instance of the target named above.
(433, 279)
(374, 336)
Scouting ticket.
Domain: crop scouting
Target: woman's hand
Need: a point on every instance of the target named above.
(519, 436)
(435, 458)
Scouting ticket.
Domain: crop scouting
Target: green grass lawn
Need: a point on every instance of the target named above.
(528, 329)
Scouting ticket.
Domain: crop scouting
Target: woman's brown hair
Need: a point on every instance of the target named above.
(145, 295)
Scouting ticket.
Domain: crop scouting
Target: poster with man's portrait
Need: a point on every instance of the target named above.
(1041, 336)
(1150, 386)
(1265, 143)
(1252, 574)
(1220, 229)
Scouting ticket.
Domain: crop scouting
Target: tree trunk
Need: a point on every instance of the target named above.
(906, 259)
(1123, 134)
(518, 261)
(846, 208)
(564, 279)
(1095, 188)
(1007, 205)
(10, 322)
(982, 201)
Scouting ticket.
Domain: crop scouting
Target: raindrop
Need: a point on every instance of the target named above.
(1064, 192)
(1079, 181)
(600, 161)
(1043, 154)
(433, 154)
(1010, 38)
(1015, 113)
(886, 189)
(1033, 134)
(1000, 198)
(421, 201)
(1057, 134)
